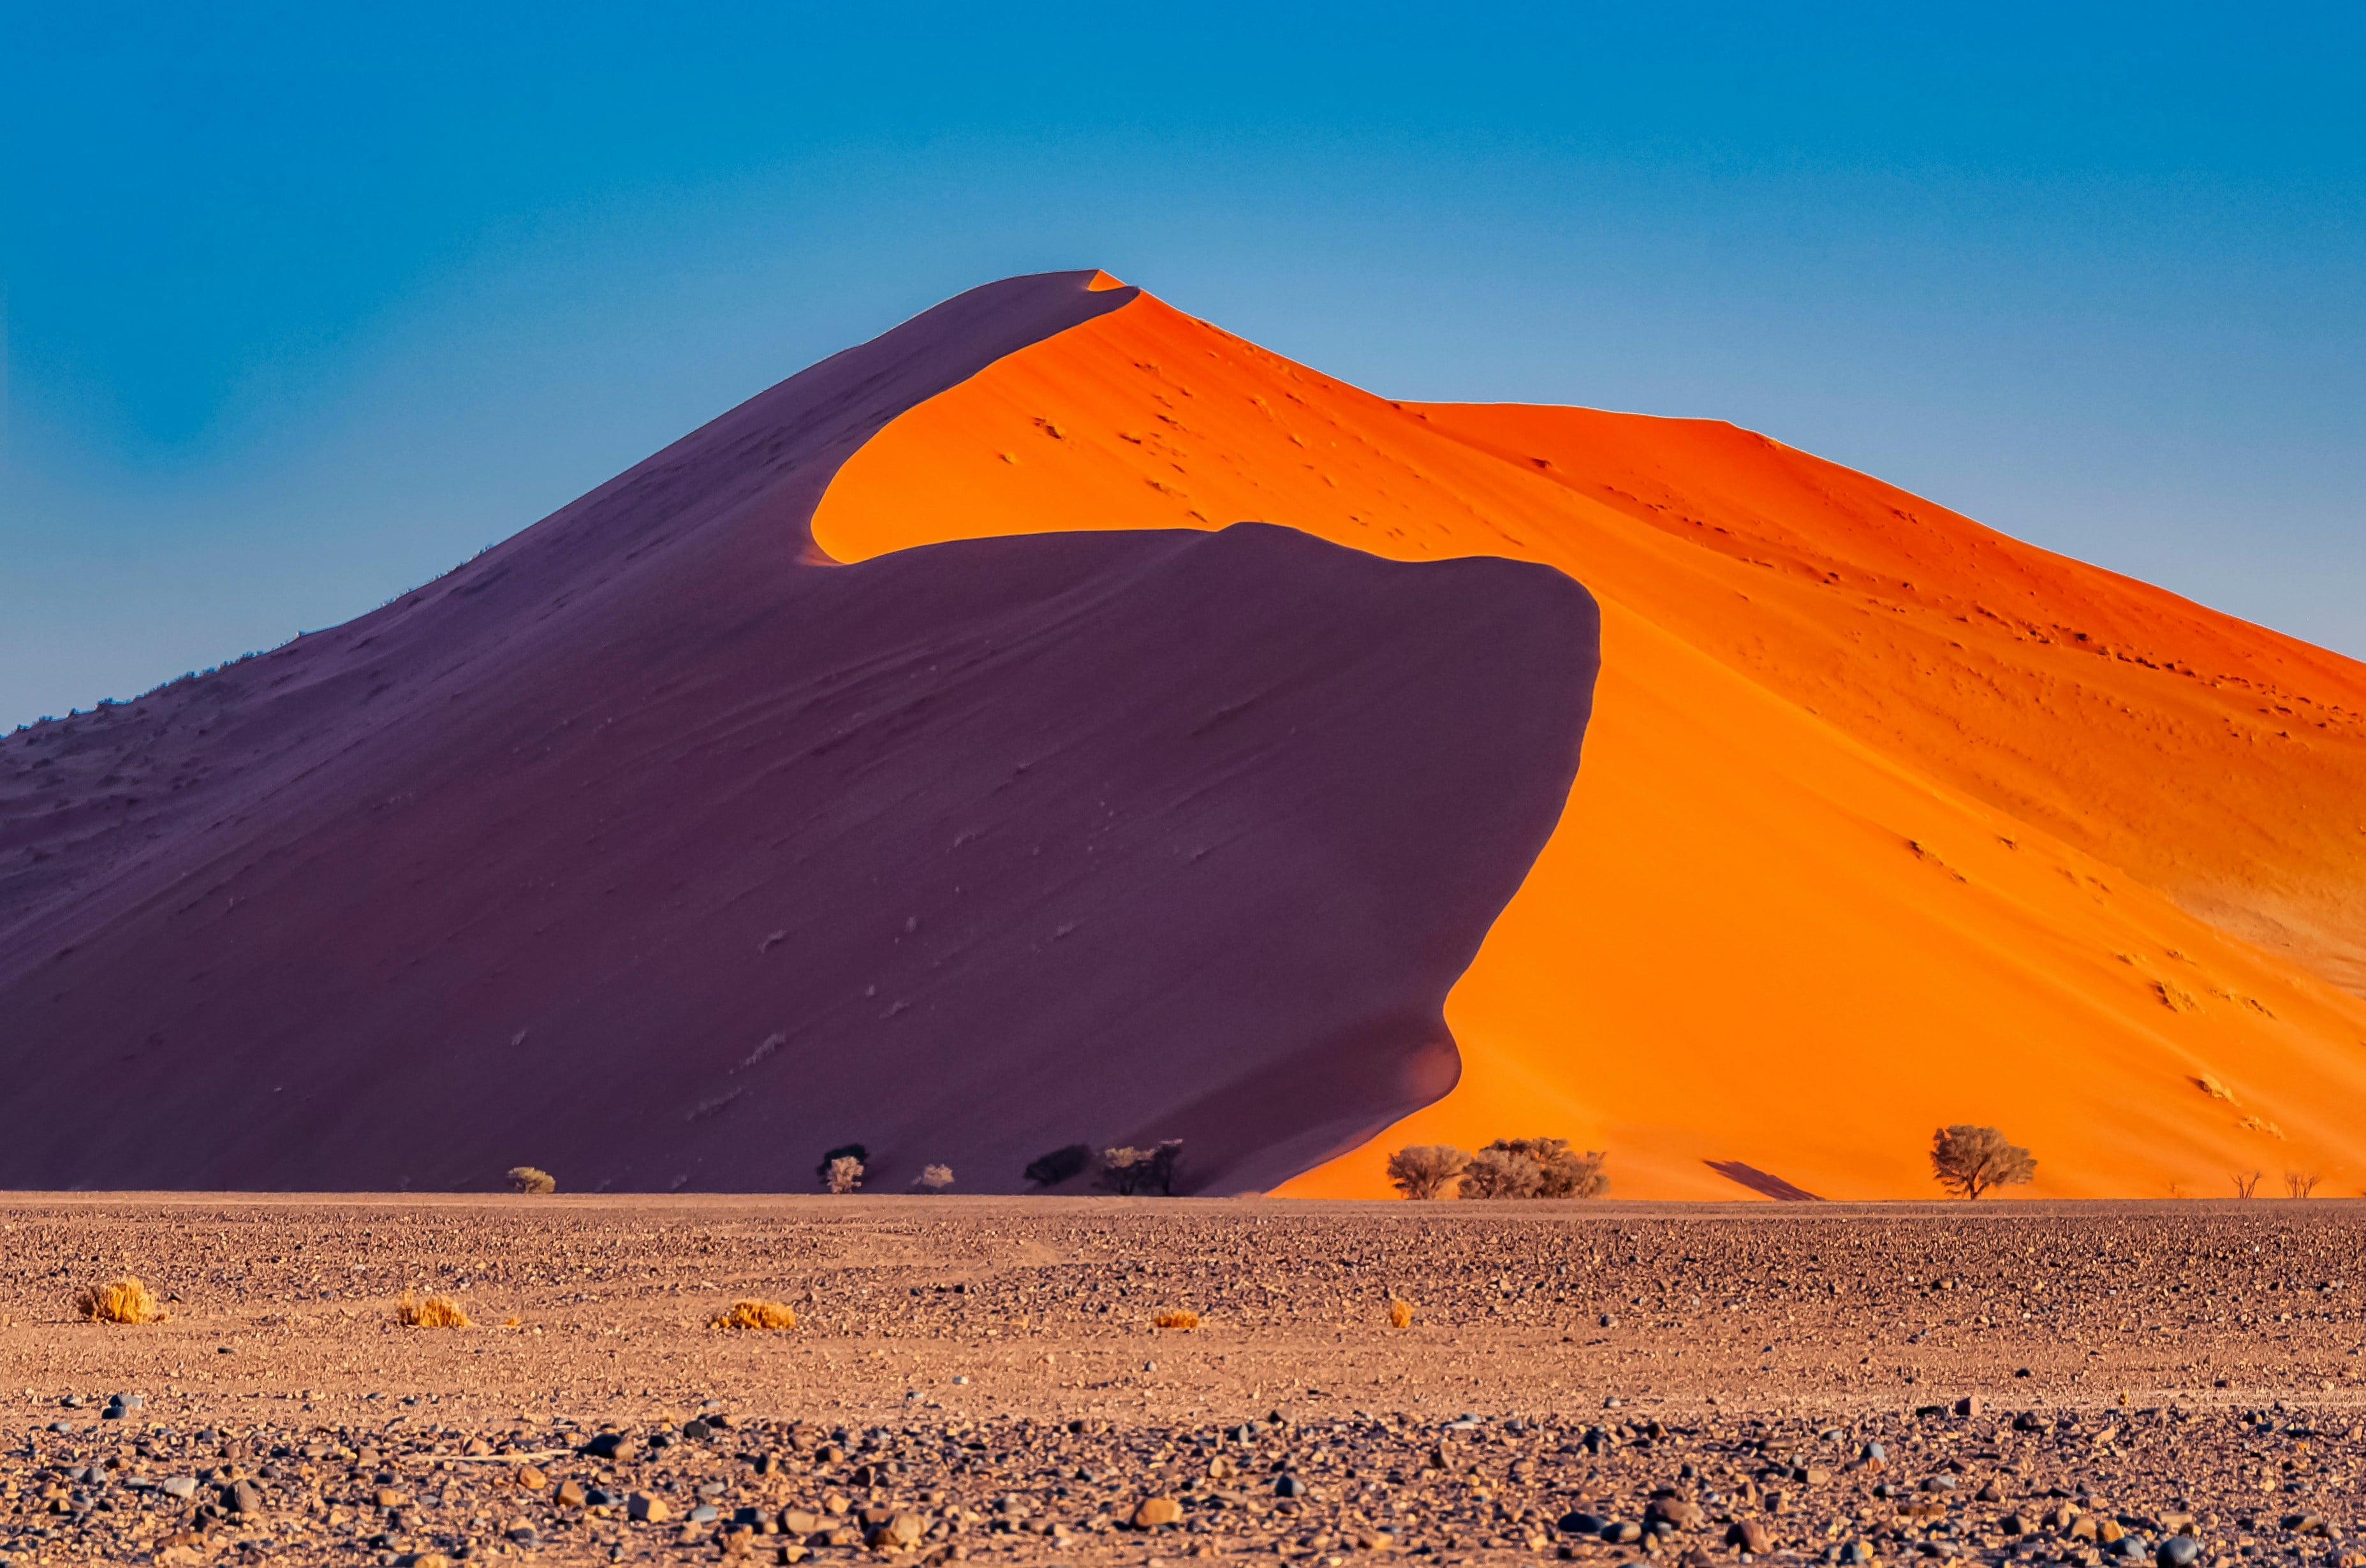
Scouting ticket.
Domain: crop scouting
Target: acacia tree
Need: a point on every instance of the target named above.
(1968, 1160)
(1423, 1170)
(1498, 1172)
(1561, 1171)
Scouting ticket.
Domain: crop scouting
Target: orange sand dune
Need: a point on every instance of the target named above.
(1884, 819)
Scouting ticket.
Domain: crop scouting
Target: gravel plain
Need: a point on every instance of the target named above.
(2174, 1382)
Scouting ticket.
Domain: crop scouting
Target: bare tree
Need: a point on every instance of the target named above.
(1970, 1160)
(1423, 1170)
(2299, 1185)
(2247, 1186)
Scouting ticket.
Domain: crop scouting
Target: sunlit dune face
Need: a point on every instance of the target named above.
(1886, 820)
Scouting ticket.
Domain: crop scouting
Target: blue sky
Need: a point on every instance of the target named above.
(302, 308)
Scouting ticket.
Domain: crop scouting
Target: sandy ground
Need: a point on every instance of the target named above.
(988, 1370)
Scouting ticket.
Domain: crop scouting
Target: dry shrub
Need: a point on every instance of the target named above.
(933, 1179)
(845, 1175)
(526, 1179)
(429, 1312)
(1177, 1317)
(753, 1312)
(120, 1301)
(1423, 1170)
(1400, 1313)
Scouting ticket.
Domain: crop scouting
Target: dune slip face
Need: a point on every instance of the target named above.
(1888, 821)
(657, 850)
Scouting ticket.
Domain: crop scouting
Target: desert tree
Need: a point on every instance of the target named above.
(1495, 1172)
(1128, 1170)
(526, 1179)
(1561, 1171)
(859, 1153)
(2300, 1184)
(1970, 1160)
(1423, 1170)
(2247, 1186)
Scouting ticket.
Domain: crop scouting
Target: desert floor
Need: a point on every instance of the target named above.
(981, 1378)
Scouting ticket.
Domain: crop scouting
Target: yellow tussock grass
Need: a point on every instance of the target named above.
(1400, 1314)
(754, 1314)
(120, 1301)
(429, 1312)
(1177, 1317)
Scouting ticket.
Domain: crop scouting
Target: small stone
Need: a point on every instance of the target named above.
(431, 1560)
(1290, 1486)
(898, 1532)
(695, 1428)
(244, 1497)
(706, 1514)
(1991, 1493)
(1812, 1475)
(1380, 1540)
(2178, 1552)
(1622, 1532)
(2018, 1524)
(1751, 1535)
(797, 1521)
(1970, 1405)
(1156, 1511)
(1676, 1511)
(387, 1498)
(571, 1494)
(182, 1486)
(647, 1509)
(1582, 1523)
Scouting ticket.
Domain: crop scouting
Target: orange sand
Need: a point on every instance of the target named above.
(1885, 821)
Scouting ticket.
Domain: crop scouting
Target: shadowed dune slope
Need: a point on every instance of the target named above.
(1886, 821)
(656, 850)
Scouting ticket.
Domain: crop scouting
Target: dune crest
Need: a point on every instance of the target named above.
(655, 850)
(1886, 821)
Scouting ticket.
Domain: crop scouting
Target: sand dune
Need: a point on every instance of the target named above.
(655, 850)
(1886, 820)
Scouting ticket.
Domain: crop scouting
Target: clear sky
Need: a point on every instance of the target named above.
(304, 304)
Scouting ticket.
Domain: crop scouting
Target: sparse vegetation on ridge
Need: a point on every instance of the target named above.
(526, 1179)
